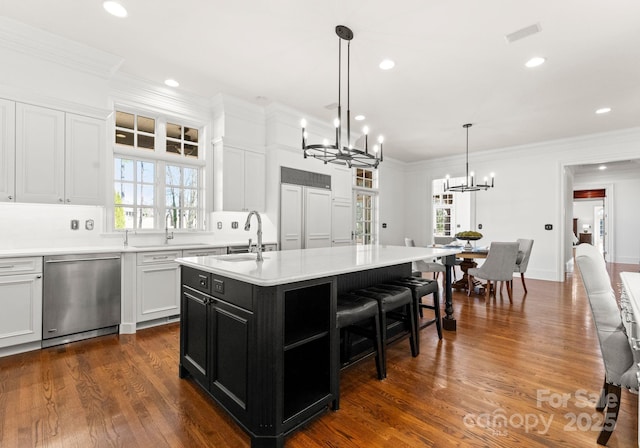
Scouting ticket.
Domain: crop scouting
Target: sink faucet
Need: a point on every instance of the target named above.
(167, 236)
(247, 227)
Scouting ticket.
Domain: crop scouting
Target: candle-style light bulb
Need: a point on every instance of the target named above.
(492, 178)
(303, 123)
(336, 122)
(447, 181)
(325, 142)
(365, 130)
(380, 139)
(471, 176)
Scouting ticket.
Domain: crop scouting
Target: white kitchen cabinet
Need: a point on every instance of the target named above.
(59, 157)
(158, 285)
(204, 252)
(341, 223)
(243, 180)
(85, 168)
(39, 154)
(342, 183)
(7, 150)
(20, 300)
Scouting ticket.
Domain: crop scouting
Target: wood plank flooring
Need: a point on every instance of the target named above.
(521, 374)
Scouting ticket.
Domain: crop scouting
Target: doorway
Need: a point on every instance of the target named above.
(591, 219)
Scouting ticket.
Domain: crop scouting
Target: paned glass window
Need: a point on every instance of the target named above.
(181, 196)
(136, 131)
(134, 196)
(150, 190)
(182, 140)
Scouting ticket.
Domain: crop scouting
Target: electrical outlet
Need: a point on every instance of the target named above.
(234, 225)
(219, 225)
(88, 224)
(548, 227)
(479, 226)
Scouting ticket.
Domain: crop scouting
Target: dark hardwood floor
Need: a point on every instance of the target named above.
(521, 374)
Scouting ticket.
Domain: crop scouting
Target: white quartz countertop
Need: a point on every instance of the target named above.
(43, 251)
(289, 266)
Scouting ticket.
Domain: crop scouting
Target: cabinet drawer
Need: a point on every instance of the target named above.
(204, 252)
(20, 265)
(164, 256)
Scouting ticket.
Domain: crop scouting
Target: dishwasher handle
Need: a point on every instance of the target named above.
(69, 260)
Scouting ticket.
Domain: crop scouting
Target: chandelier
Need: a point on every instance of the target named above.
(335, 152)
(469, 183)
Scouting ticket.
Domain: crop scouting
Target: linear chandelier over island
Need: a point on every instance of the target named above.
(336, 152)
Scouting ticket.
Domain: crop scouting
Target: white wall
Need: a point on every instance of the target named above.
(529, 193)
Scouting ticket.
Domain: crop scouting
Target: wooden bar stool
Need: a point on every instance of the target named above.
(353, 309)
(397, 302)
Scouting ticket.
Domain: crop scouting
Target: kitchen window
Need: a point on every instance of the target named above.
(365, 195)
(157, 173)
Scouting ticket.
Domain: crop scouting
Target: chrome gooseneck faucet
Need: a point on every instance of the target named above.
(167, 236)
(247, 227)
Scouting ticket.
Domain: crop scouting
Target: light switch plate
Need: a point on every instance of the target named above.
(75, 224)
(234, 225)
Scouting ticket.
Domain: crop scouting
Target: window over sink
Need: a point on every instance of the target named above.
(158, 173)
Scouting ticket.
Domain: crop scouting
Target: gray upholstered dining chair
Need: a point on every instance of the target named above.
(424, 265)
(498, 267)
(620, 367)
(522, 260)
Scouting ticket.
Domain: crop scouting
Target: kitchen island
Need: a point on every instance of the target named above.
(260, 337)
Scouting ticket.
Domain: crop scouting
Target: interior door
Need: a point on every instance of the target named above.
(290, 217)
(317, 213)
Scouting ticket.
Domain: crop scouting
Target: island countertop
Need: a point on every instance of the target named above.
(281, 267)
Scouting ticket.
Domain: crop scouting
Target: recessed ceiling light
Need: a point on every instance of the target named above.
(114, 8)
(535, 61)
(602, 167)
(359, 117)
(171, 82)
(603, 110)
(387, 64)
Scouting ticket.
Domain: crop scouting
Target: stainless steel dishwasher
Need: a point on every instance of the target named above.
(81, 297)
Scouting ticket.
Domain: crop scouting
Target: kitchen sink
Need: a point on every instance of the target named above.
(168, 246)
(241, 257)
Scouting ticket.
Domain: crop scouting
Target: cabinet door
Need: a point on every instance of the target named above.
(317, 218)
(254, 181)
(233, 179)
(158, 291)
(85, 142)
(194, 335)
(290, 217)
(21, 305)
(39, 154)
(341, 223)
(229, 349)
(7, 150)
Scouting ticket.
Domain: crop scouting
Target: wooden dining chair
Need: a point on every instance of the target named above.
(498, 267)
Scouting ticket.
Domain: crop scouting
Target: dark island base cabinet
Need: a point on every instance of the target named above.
(263, 353)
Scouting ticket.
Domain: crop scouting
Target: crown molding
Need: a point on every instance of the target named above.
(143, 94)
(41, 44)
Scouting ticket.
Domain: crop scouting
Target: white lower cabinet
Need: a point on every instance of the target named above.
(158, 285)
(20, 300)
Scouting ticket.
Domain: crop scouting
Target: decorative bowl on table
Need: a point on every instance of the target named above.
(468, 235)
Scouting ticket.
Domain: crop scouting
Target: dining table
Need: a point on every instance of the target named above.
(469, 258)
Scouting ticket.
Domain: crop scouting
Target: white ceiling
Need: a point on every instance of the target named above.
(453, 63)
